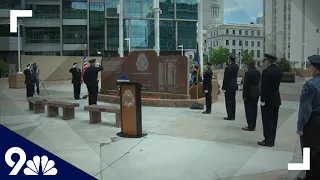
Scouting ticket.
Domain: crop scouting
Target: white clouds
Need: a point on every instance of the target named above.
(251, 7)
(229, 10)
(260, 14)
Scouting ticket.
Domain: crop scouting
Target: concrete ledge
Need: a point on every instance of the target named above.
(16, 81)
(303, 72)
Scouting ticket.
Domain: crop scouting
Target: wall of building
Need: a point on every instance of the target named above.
(312, 32)
(296, 48)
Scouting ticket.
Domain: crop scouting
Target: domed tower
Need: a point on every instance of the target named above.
(217, 14)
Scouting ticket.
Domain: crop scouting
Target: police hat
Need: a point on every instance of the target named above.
(270, 57)
(315, 60)
(28, 65)
(75, 63)
(34, 64)
(92, 60)
(208, 63)
(232, 56)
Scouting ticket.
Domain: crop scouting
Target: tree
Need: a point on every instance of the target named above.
(285, 64)
(219, 56)
(246, 57)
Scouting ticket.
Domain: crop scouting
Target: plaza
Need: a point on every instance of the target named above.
(181, 143)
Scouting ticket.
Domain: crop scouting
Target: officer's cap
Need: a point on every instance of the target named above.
(315, 60)
(208, 63)
(232, 56)
(270, 57)
(28, 65)
(75, 63)
(34, 64)
(92, 60)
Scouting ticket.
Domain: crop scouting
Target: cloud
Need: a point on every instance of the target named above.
(230, 10)
(260, 14)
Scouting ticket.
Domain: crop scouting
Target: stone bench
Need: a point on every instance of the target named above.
(95, 113)
(68, 109)
(36, 104)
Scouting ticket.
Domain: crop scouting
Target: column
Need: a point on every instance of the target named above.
(120, 12)
(156, 11)
(200, 34)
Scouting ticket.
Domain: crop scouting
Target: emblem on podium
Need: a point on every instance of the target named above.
(128, 99)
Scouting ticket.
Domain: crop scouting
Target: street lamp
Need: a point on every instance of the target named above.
(304, 54)
(157, 11)
(19, 49)
(181, 46)
(129, 43)
(240, 58)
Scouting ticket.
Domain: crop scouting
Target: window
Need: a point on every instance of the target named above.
(252, 51)
(167, 7)
(186, 9)
(187, 34)
(44, 11)
(74, 9)
(227, 42)
(234, 32)
(43, 35)
(317, 30)
(44, 53)
(113, 34)
(205, 41)
(167, 35)
(258, 53)
(211, 34)
(112, 8)
(258, 43)
(234, 51)
(227, 31)
(246, 33)
(246, 43)
(217, 43)
(240, 43)
(142, 34)
(11, 4)
(252, 43)
(240, 32)
(217, 33)
(258, 33)
(233, 42)
(252, 33)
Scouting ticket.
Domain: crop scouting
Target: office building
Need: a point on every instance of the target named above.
(291, 29)
(238, 37)
(67, 27)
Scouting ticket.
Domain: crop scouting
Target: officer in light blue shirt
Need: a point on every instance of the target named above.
(308, 126)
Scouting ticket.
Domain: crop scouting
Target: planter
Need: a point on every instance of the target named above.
(289, 77)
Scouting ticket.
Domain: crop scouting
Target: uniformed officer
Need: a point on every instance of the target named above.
(207, 87)
(36, 73)
(29, 81)
(308, 126)
(270, 100)
(76, 80)
(90, 79)
(230, 87)
(250, 95)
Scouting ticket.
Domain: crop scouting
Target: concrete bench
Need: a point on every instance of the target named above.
(95, 113)
(36, 104)
(68, 109)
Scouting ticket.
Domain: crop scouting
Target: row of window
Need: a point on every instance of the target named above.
(257, 54)
(240, 43)
(238, 32)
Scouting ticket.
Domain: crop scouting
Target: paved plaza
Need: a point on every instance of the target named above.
(181, 143)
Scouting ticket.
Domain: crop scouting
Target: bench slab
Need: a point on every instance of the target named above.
(68, 109)
(36, 104)
(95, 113)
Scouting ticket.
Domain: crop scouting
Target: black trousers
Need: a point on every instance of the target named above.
(270, 122)
(251, 109)
(37, 88)
(208, 101)
(230, 98)
(93, 93)
(30, 90)
(76, 90)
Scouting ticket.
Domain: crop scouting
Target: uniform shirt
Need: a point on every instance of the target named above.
(230, 78)
(207, 80)
(309, 101)
(90, 76)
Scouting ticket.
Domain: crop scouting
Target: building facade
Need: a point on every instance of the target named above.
(259, 20)
(291, 29)
(237, 38)
(68, 27)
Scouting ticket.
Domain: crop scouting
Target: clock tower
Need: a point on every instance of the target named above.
(216, 14)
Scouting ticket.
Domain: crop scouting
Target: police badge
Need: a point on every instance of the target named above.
(128, 99)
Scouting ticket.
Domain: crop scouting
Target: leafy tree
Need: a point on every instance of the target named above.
(219, 56)
(246, 57)
(4, 66)
(285, 64)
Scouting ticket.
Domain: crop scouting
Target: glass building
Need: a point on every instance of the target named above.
(68, 27)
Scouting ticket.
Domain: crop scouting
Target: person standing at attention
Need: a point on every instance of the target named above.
(270, 100)
(76, 80)
(230, 87)
(308, 125)
(250, 95)
(29, 81)
(207, 87)
(90, 78)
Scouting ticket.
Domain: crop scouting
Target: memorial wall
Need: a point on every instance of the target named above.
(166, 74)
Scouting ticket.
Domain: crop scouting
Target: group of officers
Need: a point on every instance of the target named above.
(31, 74)
(266, 87)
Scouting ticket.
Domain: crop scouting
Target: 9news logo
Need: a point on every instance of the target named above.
(33, 166)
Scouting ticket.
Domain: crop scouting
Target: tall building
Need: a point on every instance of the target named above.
(216, 17)
(237, 38)
(291, 29)
(259, 20)
(67, 27)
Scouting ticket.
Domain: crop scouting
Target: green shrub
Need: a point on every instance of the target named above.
(285, 64)
(4, 66)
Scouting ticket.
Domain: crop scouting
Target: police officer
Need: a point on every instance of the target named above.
(90, 79)
(29, 81)
(36, 73)
(250, 95)
(230, 87)
(76, 80)
(270, 100)
(207, 87)
(308, 126)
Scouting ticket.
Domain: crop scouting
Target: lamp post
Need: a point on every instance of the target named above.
(129, 43)
(19, 49)
(240, 58)
(156, 11)
(120, 12)
(181, 46)
(304, 54)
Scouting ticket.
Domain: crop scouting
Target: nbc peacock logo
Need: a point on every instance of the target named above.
(36, 166)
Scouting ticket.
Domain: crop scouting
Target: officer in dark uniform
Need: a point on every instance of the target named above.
(29, 80)
(90, 79)
(270, 100)
(308, 126)
(76, 80)
(250, 95)
(230, 87)
(207, 87)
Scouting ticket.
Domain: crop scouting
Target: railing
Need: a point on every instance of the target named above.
(43, 40)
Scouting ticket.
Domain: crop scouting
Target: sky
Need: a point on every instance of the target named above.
(242, 11)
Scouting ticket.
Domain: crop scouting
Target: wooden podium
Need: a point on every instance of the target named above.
(130, 109)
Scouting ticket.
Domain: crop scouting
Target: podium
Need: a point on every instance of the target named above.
(130, 110)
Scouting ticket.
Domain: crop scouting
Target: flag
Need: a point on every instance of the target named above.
(84, 66)
(196, 76)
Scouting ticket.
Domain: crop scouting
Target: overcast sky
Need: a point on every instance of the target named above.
(242, 11)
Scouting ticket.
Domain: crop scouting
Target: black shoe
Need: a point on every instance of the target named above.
(206, 112)
(248, 129)
(229, 119)
(264, 143)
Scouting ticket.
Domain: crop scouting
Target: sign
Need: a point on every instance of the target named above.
(14, 15)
